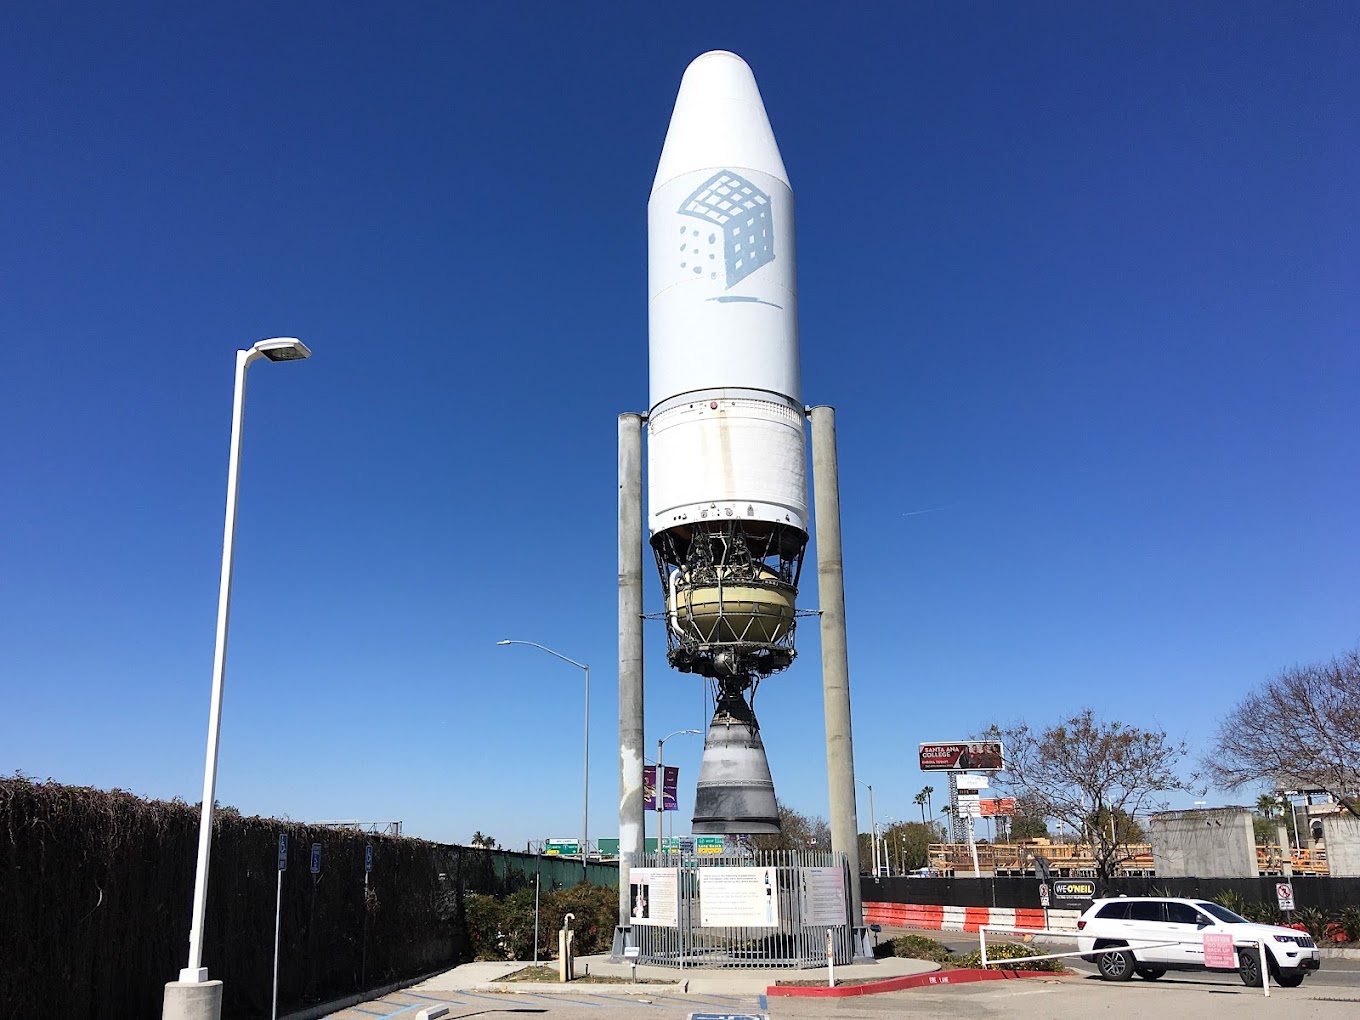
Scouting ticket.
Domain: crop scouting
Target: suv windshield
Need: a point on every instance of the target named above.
(1222, 913)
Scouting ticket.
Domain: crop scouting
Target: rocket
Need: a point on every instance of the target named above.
(726, 464)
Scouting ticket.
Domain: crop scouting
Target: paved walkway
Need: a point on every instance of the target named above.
(754, 981)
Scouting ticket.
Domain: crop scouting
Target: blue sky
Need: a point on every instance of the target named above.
(1080, 282)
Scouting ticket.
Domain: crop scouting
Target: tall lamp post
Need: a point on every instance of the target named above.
(182, 1001)
(585, 778)
(873, 829)
(659, 788)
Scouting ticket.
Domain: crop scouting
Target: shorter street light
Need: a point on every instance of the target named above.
(659, 786)
(873, 829)
(585, 779)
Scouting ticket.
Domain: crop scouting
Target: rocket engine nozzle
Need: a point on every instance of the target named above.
(735, 792)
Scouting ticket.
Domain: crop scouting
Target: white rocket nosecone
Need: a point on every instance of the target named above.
(726, 462)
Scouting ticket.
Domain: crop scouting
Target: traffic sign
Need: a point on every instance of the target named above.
(1284, 892)
(368, 859)
(283, 851)
(316, 858)
(560, 847)
(1043, 894)
(709, 844)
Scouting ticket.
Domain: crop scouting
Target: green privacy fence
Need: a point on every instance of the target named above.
(97, 890)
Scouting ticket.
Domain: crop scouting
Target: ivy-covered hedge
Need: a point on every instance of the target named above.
(96, 892)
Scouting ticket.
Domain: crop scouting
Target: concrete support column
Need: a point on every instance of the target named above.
(631, 814)
(840, 751)
(192, 1000)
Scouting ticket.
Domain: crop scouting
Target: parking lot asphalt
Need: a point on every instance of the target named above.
(1333, 992)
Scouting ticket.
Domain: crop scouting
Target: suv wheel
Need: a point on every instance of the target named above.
(1249, 967)
(1289, 980)
(1116, 965)
(1149, 973)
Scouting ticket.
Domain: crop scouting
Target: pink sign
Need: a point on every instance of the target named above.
(1218, 951)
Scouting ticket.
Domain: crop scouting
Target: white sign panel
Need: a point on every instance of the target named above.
(653, 895)
(738, 898)
(970, 805)
(1284, 893)
(967, 782)
(822, 891)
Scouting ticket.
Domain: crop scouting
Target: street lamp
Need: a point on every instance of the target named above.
(873, 829)
(276, 349)
(659, 787)
(585, 779)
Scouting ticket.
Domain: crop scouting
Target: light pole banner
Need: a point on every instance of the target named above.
(671, 782)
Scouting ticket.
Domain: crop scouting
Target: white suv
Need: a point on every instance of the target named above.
(1138, 923)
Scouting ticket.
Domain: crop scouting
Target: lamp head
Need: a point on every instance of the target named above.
(283, 348)
(502, 642)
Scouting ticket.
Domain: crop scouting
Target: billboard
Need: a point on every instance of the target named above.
(672, 781)
(998, 806)
(986, 755)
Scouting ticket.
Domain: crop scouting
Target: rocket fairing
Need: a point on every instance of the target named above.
(726, 464)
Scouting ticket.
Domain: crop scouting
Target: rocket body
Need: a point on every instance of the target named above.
(726, 463)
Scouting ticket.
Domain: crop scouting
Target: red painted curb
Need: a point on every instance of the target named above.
(933, 979)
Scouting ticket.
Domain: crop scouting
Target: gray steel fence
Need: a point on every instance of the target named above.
(798, 907)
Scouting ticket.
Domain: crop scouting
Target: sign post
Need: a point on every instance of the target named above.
(278, 914)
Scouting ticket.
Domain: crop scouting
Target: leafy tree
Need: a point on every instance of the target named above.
(1300, 729)
(909, 844)
(1085, 771)
(1028, 821)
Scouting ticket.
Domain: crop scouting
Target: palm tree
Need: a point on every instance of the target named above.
(948, 813)
(1267, 805)
(920, 801)
(928, 791)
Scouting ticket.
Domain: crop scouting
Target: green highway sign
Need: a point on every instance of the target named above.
(561, 847)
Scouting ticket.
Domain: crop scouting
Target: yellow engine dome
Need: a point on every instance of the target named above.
(740, 611)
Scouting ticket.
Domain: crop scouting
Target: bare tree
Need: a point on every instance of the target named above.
(797, 832)
(1300, 730)
(1089, 774)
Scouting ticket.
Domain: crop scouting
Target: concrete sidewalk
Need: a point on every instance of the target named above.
(754, 981)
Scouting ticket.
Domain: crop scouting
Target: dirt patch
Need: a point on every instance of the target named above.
(548, 976)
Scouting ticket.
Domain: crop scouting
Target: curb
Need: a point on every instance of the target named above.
(574, 987)
(897, 984)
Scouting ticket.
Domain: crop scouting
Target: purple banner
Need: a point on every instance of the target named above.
(672, 781)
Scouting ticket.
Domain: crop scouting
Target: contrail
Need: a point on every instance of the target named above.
(928, 510)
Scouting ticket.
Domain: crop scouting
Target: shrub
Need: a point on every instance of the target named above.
(1314, 921)
(917, 947)
(503, 929)
(1233, 900)
(1011, 952)
(1349, 919)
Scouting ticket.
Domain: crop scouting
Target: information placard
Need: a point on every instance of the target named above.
(822, 896)
(653, 895)
(738, 898)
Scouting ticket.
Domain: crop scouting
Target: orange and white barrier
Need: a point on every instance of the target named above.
(935, 918)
